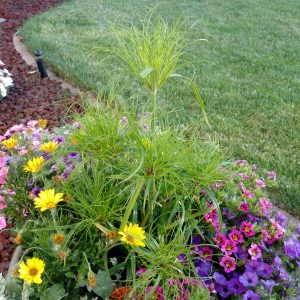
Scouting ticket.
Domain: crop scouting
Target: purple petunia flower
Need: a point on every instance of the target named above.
(196, 240)
(74, 155)
(249, 279)
(30, 183)
(53, 168)
(269, 284)
(250, 295)
(182, 257)
(219, 278)
(223, 290)
(203, 268)
(280, 217)
(241, 254)
(277, 262)
(298, 229)
(265, 270)
(292, 247)
(283, 274)
(235, 286)
(35, 191)
(66, 173)
(252, 266)
(60, 139)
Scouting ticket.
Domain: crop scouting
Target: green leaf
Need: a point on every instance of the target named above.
(104, 284)
(56, 292)
(146, 72)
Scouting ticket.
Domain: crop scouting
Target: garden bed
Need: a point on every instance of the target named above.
(30, 97)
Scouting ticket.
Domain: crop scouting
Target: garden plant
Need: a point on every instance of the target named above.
(119, 205)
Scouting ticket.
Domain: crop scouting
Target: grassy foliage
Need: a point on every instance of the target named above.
(247, 70)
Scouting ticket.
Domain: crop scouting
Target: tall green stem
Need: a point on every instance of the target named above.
(154, 107)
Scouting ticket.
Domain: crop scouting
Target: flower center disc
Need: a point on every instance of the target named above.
(50, 205)
(33, 271)
(130, 238)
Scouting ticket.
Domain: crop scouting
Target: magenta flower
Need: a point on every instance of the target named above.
(206, 252)
(249, 279)
(255, 252)
(244, 207)
(236, 237)
(264, 204)
(208, 218)
(229, 247)
(2, 203)
(247, 229)
(141, 271)
(228, 263)
(271, 175)
(248, 194)
(219, 239)
(241, 162)
(159, 292)
(259, 183)
(2, 223)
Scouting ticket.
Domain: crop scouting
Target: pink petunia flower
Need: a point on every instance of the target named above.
(248, 194)
(247, 229)
(219, 239)
(228, 263)
(229, 247)
(264, 204)
(260, 183)
(141, 271)
(2, 223)
(255, 252)
(244, 207)
(271, 175)
(2, 202)
(236, 237)
(206, 252)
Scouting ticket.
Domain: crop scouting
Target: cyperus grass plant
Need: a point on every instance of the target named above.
(151, 53)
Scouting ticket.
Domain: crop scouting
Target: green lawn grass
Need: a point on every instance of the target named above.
(248, 70)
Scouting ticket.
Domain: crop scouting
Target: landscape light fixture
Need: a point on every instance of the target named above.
(40, 63)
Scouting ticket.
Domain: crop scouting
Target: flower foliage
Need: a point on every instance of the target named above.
(84, 197)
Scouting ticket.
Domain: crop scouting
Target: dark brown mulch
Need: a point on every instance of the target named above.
(31, 97)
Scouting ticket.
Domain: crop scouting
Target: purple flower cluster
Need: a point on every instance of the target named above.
(255, 253)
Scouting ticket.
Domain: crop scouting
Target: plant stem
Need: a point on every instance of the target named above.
(154, 106)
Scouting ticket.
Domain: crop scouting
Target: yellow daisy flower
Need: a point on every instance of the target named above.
(32, 270)
(49, 147)
(58, 238)
(10, 143)
(133, 235)
(47, 199)
(34, 165)
(42, 123)
(18, 239)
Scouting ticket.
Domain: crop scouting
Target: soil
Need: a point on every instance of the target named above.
(31, 97)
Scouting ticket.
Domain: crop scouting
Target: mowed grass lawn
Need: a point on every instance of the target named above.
(248, 70)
